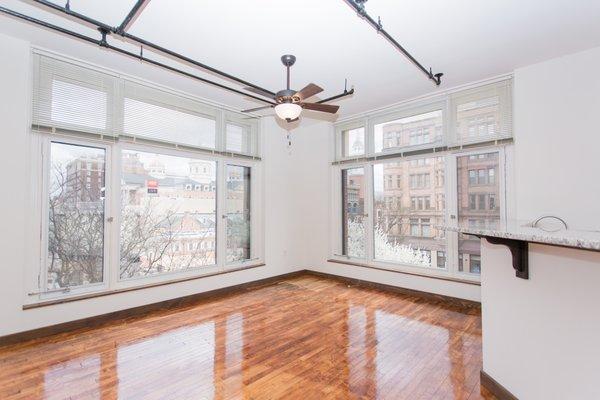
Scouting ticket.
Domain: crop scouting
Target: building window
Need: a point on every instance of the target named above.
(419, 181)
(441, 259)
(492, 201)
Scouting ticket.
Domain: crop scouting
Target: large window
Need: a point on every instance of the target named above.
(353, 206)
(168, 213)
(75, 230)
(137, 184)
(404, 229)
(426, 165)
(238, 213)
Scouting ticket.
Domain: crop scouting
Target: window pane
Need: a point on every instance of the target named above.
(477, 205)
(168, 213)
(237, 139)
(165, 124)
(238, 213)
(353, 142)
(409, 131)
(406, 233)
(76, 216)
(353, 203)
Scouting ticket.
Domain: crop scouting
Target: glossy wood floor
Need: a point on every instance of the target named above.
(303, 338)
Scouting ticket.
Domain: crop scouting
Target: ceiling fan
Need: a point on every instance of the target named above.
(290, 102)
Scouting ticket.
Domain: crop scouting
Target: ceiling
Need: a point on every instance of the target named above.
(468, 40)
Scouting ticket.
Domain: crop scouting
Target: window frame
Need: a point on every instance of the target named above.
(255, 214)
(450, 213)
(43, 180)
(40, 175)
(339, 138)
(197, 271)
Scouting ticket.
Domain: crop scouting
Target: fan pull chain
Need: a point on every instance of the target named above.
(289, 142)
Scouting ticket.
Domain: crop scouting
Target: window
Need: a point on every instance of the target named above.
(158, 219)
(158, 215)
(414, 130)
(472, 209)
(238, 213)
(353, 142)
(353, 202)
(413, 246)
(419, 181)
(492, 201)
(75, 230)
(420, 202)
(441, 259)
(482, 202)
(442, 156)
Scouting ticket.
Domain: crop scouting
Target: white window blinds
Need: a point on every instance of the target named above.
(474, 116)
(68, 96)
(481, 114)
(153, 114)
(241, 134)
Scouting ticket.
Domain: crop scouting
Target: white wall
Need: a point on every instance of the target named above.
(14, 213)
(540, 336)
(557, 119)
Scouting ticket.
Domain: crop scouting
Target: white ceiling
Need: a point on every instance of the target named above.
(468, 40)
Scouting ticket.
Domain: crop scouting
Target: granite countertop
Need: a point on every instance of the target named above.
(518, 230)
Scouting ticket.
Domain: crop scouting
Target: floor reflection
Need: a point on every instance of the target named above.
(84, 371)
(187, 354)
(306, 338)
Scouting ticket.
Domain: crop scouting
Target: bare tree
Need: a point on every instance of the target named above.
(148, 237)
(76, 231)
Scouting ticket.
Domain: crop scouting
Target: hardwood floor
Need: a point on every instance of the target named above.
(302, 338)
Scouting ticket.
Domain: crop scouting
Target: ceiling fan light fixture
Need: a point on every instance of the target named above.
(288, 111)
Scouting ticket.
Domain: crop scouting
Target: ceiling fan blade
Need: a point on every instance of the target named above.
(256, 109)
(328, 108)
(308, 91)
(260, 92)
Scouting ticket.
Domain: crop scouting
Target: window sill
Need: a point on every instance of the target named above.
(425, 275)
(45, 303)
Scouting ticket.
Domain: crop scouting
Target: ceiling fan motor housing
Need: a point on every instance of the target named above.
(288, 60)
